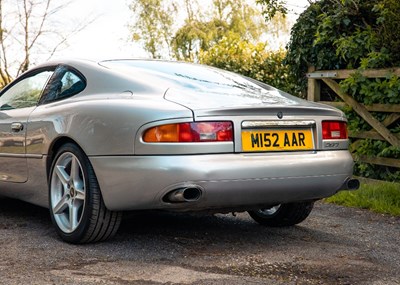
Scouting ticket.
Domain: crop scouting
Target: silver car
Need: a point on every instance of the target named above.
(90, 139)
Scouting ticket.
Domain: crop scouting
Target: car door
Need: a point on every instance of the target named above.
(17, 101)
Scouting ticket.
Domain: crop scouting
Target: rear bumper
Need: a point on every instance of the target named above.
(226, 180)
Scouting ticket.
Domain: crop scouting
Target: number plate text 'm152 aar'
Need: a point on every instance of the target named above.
(277, 140)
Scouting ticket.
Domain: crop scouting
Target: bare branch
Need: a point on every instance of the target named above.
(5, 76)
(32, 26)
(64, 38)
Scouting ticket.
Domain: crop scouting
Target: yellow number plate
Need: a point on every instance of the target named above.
(277, 140)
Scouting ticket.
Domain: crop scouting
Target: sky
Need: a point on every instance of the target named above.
(108, 35)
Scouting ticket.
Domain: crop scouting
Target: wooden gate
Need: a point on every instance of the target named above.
(380, 130)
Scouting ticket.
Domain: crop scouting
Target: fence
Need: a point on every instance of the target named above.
(380, 129)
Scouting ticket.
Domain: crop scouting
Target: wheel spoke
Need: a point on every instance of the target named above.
(76, 175)
(61, 205)
(80, 194)
(62, 175)
(75, 170)
(73, 215)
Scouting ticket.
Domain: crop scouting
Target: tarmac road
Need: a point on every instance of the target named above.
(335, 245)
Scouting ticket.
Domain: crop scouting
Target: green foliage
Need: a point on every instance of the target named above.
(353, 34)
(379, 197)
(305, 49)
(153, 24)
(334, 34)
(374, 91)
(379, 149)
(201, 33)
(228, 36)
(253, 60)
(195, 36)
(272, 7)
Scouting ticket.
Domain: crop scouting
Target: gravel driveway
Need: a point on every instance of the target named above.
(335, 245)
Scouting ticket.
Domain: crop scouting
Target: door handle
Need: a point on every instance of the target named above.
(17, 127)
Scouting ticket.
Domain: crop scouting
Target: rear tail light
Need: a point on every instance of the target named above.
(191, 132)
(334, 130)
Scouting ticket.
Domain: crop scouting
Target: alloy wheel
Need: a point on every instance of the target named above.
(67, 192)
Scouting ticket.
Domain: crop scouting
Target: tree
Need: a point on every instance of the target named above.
(355, 34)
(28, 28)
(229, 34)
(333, 34)
(271, 8)
(226, 17)
(253, 60)
(153, 25)
(157, 27)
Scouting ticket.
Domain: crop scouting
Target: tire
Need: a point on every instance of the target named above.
(283, 215)
(76, 206)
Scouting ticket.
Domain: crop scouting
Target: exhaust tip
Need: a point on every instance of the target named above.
(353, 184)
(191, 194)
(350, 184)
(187, 194)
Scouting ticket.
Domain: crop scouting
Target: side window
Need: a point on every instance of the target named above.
(26, 92)
(64, 83)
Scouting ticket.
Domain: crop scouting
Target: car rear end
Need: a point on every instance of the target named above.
(259, 159)
(247, 146)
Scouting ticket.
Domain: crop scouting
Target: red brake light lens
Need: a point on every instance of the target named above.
(334, 130)
(190, 132)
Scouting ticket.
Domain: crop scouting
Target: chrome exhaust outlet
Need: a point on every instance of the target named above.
(187, 194)
(351, 184)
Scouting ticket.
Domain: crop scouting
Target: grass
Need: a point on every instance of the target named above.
(379, 197)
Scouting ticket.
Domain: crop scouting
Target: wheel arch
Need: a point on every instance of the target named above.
(54, 147)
